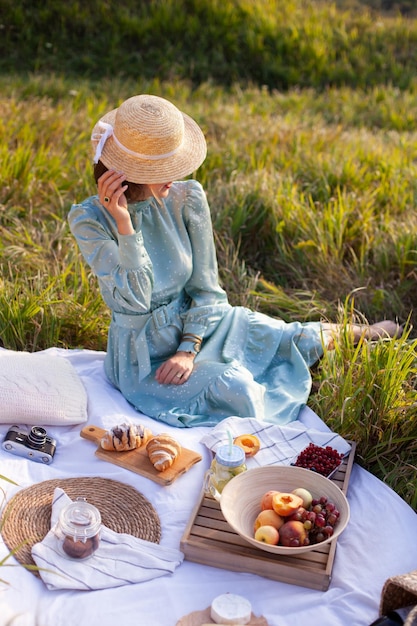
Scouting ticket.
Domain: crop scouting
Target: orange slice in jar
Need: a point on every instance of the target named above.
(250, 444)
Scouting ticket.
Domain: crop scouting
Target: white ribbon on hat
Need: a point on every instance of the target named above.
(109, 132)
(101, 138)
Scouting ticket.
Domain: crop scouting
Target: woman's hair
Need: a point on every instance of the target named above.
(135, 192)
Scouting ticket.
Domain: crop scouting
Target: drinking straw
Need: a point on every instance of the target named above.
(229, 434)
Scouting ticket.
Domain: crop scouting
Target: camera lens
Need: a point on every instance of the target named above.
(37, 437)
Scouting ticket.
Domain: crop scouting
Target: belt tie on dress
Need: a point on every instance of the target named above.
(164, 315)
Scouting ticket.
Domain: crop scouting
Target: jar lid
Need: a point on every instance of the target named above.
(230, 456)
(80, 520)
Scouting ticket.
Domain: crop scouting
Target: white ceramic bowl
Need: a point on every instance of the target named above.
(241, 501)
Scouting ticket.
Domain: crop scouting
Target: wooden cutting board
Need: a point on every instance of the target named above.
(138, 461)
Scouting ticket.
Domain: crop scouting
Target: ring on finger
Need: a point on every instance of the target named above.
(179, 376)
(106, 199)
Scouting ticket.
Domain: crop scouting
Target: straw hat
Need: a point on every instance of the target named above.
(398, 592)
(149, 140)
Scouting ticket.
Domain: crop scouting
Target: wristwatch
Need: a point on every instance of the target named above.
(194, 340)
(197, 346)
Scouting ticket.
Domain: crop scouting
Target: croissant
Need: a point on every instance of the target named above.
(125, 437)
(163, 450)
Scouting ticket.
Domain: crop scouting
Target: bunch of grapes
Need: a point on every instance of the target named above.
(318, 459)
(319, 520)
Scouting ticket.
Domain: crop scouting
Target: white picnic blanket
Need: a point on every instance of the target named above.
(378, 542)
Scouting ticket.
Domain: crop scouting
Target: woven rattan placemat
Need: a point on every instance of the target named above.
(27, 517)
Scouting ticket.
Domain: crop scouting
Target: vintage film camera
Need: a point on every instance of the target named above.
(34, 445)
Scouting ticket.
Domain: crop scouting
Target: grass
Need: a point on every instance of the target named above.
(311, 177)
(367, 393)
(267, 42)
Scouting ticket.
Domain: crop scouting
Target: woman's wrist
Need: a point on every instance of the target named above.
(124, 226)
(186, 353)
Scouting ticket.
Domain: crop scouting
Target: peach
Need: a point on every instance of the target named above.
(286, 503)
(267, 534)
(266, 501)
(268, 517)
(250, 444)
(292, 534)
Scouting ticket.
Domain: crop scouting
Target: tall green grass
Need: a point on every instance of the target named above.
(367, 394)
(312, 189)
(281, 44)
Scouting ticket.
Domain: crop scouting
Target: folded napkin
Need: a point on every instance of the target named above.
(120, 559)
(280, 445)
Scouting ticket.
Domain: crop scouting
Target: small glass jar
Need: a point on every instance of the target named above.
(78, 529)
(228, 462)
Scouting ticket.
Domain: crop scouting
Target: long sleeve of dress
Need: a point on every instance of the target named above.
(208, 299)
(120, 262)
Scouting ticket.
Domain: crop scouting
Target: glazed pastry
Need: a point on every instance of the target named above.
(125, 437)
(163, 450)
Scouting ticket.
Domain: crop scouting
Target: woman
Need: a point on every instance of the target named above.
(177, 350)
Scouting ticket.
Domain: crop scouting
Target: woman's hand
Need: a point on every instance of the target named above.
(112, 197)
(176, 370)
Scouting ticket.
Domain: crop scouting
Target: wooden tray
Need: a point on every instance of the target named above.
(208, 539)
(138, 461)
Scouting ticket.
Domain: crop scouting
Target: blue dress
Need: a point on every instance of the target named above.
(162, 282)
